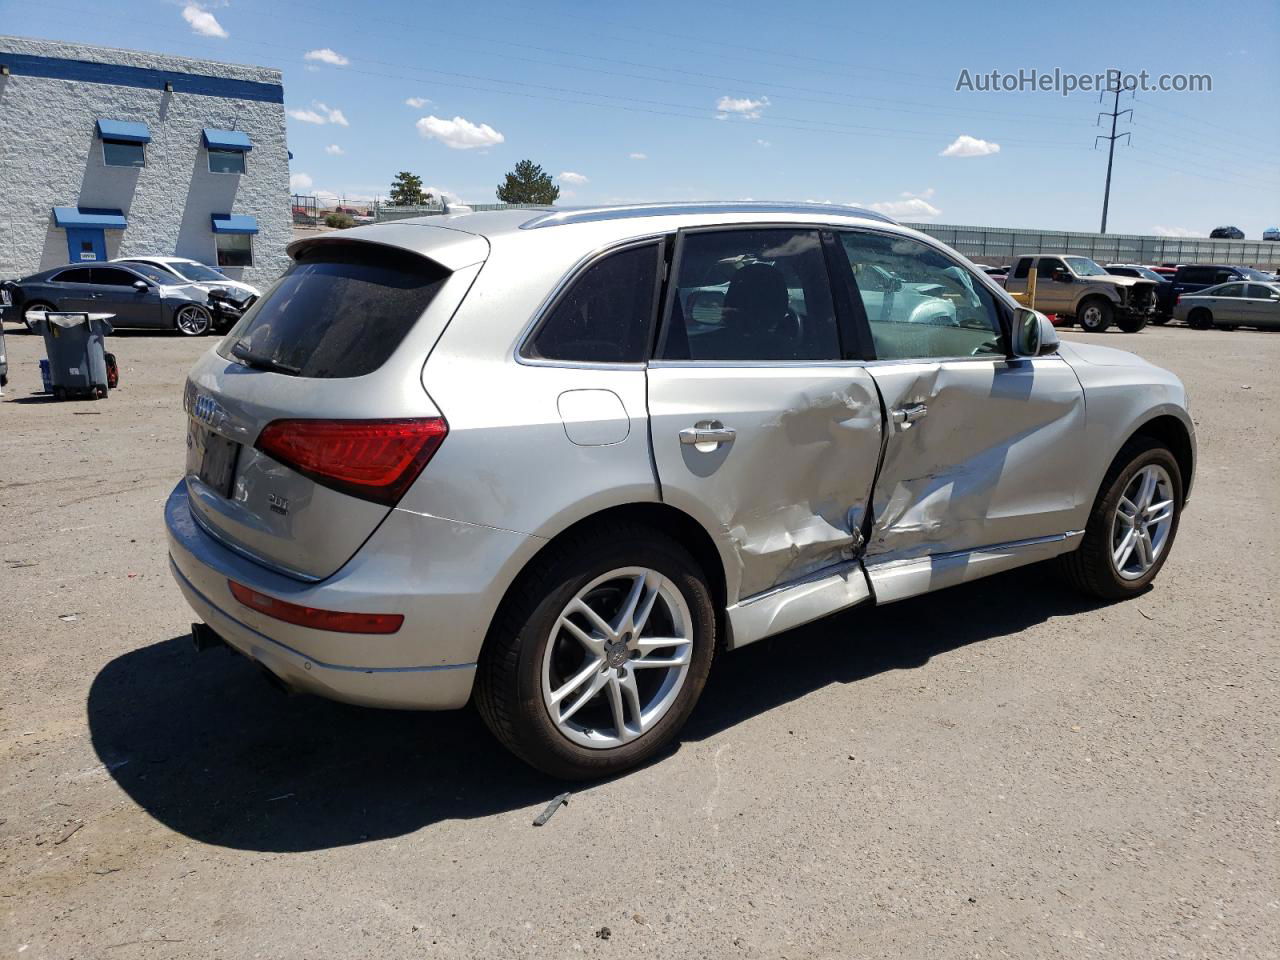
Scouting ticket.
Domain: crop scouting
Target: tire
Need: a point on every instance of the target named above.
(1092, 568)
(1132, 324)
(530, 656)
(33, 306)
(1095, 315)
(192, 320)
(1200, 319)
(1228, 327)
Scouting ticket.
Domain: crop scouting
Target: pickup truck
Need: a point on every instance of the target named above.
(1077, 289)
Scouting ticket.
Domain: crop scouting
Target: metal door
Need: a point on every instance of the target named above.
(86, 245)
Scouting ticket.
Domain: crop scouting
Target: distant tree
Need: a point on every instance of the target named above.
(339, 220)
(528, 184)
(406, 190)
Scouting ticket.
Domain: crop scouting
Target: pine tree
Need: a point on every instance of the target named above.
(527, 183)
(406, 190)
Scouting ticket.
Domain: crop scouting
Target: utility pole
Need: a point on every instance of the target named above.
(1114, 114)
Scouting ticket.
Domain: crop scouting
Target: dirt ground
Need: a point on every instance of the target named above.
(997, 770)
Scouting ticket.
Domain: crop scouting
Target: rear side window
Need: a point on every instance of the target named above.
(340, 311)
(606, 314)
(79, 275)
(1199, 275)
(1023, 269)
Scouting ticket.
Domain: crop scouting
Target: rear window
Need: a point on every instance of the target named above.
(340, 311)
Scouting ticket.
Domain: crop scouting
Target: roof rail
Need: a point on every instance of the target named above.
(631, 211)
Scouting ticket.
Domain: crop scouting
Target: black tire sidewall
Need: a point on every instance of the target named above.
(539, 742)
(1200, 319)
(1104, 307)
(1099, 532)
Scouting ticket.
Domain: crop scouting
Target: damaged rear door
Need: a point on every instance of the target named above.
(759, 428)
(980, 449)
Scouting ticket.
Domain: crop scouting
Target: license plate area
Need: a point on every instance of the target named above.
(212, 458)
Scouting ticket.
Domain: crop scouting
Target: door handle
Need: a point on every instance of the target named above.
(711, 432)
(906, 416)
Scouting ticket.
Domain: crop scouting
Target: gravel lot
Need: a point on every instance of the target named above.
(998, 770)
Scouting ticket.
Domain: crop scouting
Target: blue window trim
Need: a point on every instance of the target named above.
(234, 223)
(125, 131)
(226, 140)
(89, 217)
(85, 71)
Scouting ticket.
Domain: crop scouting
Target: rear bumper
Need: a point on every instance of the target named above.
(445, 577)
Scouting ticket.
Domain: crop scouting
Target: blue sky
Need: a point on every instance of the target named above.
(727, 99)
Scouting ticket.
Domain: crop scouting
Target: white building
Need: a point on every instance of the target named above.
(108, 153)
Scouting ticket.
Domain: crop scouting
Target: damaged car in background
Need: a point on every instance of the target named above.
(557, 463)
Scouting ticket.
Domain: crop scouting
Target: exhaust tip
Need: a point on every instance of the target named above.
(204, 637)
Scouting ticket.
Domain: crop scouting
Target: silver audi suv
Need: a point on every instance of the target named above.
(557, 462)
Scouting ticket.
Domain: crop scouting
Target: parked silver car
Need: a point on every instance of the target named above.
(558, 462)
(138, 295)
(1230, 305)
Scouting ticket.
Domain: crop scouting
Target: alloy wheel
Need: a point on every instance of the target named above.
(617, 657)
(193, 321)
(1141, 523)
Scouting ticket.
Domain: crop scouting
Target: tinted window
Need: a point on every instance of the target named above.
(919, 302)
(760, 295)
(120, 153)
(606, 315)
(81, 275)
(1046, 266)
(1197, 275)
(1123, 271)
(1229, 290)
(339, 311)
(1258, 292)
(234, 249)
(106, 276)
(226, 161)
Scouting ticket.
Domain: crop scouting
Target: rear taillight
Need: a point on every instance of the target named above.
(1177, 300)
(373, 459)
(313, 617)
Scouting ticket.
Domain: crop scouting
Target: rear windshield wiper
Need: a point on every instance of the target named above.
(258, 362)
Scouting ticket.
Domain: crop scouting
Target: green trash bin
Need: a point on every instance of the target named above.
(75, 345)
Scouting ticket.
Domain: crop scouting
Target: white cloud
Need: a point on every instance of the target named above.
(320, 114)
(445, 192)
(459, 133)
(325, 55)
(570, 177)
(1175, 232)
(967, 146)
(202, 21)
(763, 143)
(417, 102)
(912, 206)
(300, 182)
(638, 156)
(334, 150)
(742, 106)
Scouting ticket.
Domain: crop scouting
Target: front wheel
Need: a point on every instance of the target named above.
(1133, 523)
(192, 320)
(1132, 324)
(596, 661)
(31, 309)
(1095, 315)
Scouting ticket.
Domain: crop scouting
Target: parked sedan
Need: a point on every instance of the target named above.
(138, 295)
(854, 416)
(1231, 305)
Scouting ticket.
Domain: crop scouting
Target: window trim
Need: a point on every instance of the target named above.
(239, 266)
(672, 288)
(103, 141)
(244, 162)
(1004, 312)
(524, 342)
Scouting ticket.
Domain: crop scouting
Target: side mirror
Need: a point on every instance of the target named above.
(141, 286)
(1033, 334)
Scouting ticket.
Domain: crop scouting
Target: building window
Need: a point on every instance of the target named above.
(123, 153)
(226, 161)
(234, 249)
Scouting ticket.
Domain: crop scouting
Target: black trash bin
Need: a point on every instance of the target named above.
(75, 344)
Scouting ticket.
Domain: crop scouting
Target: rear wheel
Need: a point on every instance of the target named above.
(1133, 523)
(597, 659)
(1200, 319)
(1094, 315)
(192, 320)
